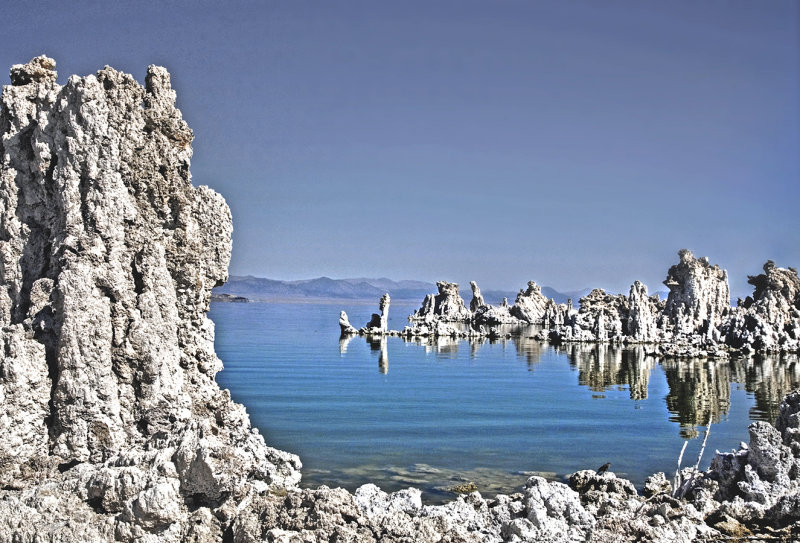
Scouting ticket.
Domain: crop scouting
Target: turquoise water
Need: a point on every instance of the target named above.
(400, 413)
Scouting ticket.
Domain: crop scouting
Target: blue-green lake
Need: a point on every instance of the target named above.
(400, 413)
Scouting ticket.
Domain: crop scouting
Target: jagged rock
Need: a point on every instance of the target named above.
(761, 481)
(347, 329)
(107, 259)
(530, 304)
(477, 298)
(446, 306)
(602, 317)
(699, 296)
(643, 314)
(656, 484)
(490, 315)
(378, 324)
(770, 320)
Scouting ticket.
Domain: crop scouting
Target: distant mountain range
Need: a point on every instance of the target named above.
(361, 288)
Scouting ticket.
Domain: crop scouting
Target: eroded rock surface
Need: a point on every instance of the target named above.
(111, 418)
(113, 426)
(770, 319)
(445, 306)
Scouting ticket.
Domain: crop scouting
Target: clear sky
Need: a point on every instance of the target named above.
(574, 143)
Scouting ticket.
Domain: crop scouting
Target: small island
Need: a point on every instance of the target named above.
(229, 298)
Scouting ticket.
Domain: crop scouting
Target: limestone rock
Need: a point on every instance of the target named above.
(530, 304)
(446, 306)
(699, 296)
(107, 259)
(770, 320)
(378, 323)
(643, 314)
(477, 298)
(347, 329)
(492, 315)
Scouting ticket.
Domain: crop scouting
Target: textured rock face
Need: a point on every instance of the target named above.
(643, 314)
(346, 328)
(699, 297)
(113, 427)
(477, 298)
(107, 259)
(446, 306)
(770, 319)
(761, 481)
(693, 321)
(530, 304)
(379, 323)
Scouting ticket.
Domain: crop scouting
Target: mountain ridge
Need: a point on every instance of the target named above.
(361, 288)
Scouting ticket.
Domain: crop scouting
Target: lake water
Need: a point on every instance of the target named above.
(401, 414)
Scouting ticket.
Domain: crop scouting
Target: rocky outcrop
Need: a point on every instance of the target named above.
(770, 319)
(346, 328)
(113, 425)
(379, 322)
(696, 320)
(477, 298)
(530, 304)
(643, 315)
(445, 306)
(759, 484)
(491, 315)
(699, 297)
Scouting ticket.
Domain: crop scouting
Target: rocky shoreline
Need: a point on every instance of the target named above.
(114, 428)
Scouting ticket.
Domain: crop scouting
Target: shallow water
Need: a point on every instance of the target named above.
(400, 413)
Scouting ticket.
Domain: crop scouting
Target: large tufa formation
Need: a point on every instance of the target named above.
(770, 319)
(445, 306)
(530, 304)
(699, 297)
(477, 298)
(696, 319)
(691, 318)
(107, 259)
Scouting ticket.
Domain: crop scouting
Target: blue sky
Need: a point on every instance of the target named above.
(574, 143)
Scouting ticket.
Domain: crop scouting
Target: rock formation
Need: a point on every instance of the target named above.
(111, 415)
(699, 297)
(643, 314)
(693, 321)
(346, 328)
(113, 426)
(530, 304)
(445, 306)
(379, 323)
(770, 319)
(477, 298)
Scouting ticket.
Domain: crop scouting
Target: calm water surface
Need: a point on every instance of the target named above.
(401, 413)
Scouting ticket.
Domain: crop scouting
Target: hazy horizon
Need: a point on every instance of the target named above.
(573, 143)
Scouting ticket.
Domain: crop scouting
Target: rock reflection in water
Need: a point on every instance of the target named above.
(768, 379)
(603, 367)
(699, 392)
(378, 343)
(699, 389)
